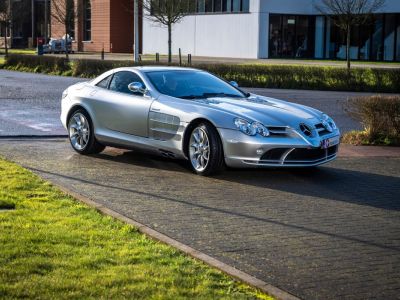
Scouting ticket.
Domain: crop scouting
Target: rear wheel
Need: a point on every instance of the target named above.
(205, 150)
(81, 133)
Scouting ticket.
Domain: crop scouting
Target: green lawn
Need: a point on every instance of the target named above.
(19, 51)
(52, 246)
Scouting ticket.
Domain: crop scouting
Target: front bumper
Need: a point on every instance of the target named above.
(291, 150)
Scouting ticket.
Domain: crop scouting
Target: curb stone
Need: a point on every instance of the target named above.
(227, 269)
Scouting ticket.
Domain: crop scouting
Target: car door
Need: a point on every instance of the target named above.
(119, 109)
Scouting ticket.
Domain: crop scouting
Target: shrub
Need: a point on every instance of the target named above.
(91, 67)
(380, 116)
(309, 77)
(260, 76)
(36, 63)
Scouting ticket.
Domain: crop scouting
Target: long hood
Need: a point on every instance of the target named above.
(268, 111)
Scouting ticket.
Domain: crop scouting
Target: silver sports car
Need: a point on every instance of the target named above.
(194, 115)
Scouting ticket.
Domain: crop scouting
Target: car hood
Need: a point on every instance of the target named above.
(268, 111)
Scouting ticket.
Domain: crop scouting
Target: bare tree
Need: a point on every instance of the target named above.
(64, 12)
(347, 14)
(167, 13)
(5, 20)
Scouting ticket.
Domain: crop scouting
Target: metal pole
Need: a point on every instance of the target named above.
(11, 16)
(45, 22)
(33, 21)
(136, 30)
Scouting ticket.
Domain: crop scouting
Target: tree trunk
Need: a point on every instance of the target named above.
(169, 43)
(348, 46)
(5, 43)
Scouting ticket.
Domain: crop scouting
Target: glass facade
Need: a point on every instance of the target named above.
(300, 36)
(214, 6)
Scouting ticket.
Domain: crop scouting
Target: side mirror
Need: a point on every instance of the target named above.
(234, 83)
(137, 87)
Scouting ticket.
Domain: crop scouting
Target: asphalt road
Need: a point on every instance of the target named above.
(30, 103)
(327, 233)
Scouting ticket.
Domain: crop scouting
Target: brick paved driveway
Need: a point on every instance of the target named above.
(328, 233)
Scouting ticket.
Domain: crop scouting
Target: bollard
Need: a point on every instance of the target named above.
(189, 59)
(157, 57)
(180, 57)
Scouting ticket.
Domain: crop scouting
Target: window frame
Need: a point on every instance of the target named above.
(87, 30)
(131, 93)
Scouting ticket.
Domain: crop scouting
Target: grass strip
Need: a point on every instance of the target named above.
(52, 246)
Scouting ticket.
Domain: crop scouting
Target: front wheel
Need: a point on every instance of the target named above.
(81, 133)
(205, 150)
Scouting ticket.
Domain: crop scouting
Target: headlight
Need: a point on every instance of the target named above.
(327, 119)
(65, 94)
(251, 128)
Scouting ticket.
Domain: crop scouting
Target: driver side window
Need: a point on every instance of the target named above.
(121, 80)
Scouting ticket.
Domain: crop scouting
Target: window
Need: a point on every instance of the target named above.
(121, 80)
(377, 35)
(104, 83)
(70, 18)
(215, 6)
(289, 36)
(398, 41)
(389, 37)
(191, 84)
(87, 20)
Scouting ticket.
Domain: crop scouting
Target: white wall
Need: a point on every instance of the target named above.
(229, 35)
(219, 35)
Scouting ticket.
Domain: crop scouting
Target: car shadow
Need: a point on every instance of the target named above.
(327, 181)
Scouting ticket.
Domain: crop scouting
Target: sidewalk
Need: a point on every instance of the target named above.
(230, 60)
(327, 233)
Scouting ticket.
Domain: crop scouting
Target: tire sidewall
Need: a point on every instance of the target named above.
(215, 161)
(91, 141)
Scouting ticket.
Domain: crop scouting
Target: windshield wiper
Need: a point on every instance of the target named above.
(208, 95)
(192, 97)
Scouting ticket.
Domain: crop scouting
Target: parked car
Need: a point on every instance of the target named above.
(191, 114)
(58, 46)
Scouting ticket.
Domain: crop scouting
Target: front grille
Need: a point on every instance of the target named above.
(304, 154)
(300, 156)
(321, 129)
(274, 154)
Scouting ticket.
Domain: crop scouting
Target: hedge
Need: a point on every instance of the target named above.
(37, 64)
(261, 76)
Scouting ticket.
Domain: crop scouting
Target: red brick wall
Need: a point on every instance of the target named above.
(112, 26)
(100, 27)
(57, 28)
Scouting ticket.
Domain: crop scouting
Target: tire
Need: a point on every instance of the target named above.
(81, 133)
(205, 153)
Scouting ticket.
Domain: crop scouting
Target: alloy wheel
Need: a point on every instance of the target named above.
(79, 131)
(199, 150)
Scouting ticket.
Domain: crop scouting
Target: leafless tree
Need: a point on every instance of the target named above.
(64, 12)
(349, 13)
(5, 20)
(167, 13)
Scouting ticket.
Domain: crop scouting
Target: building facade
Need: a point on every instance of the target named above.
(275, 29)
(28, 20)
(101, 24)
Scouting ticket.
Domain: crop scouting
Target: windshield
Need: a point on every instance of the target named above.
(192, 84)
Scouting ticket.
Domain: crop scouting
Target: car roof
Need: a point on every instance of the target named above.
(156, 68)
